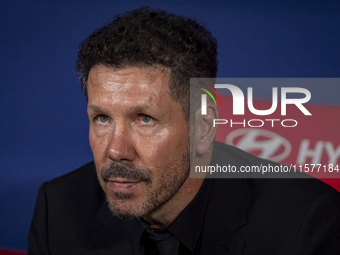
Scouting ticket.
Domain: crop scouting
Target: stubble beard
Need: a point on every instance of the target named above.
(170, 181)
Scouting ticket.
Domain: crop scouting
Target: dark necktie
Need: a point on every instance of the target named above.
(160, 242)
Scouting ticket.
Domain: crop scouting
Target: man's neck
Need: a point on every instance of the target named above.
(164, 215)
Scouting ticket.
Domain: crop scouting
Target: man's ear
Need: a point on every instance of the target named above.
(204, 128)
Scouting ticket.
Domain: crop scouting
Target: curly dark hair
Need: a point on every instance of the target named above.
(147, 38)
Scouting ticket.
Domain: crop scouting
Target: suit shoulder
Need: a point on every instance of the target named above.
(296, 182)
(80, 186)
(86, 173)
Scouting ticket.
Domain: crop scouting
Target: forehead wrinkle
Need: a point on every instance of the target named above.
(114, 89)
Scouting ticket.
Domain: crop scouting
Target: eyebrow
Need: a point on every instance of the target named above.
(94, 108)
(136, 109)
(139, 108)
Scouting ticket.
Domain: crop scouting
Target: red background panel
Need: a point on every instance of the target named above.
(315, 138)
(12, 252)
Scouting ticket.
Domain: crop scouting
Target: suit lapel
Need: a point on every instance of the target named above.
(225, 214)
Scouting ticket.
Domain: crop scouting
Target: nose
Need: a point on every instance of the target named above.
(121, 145)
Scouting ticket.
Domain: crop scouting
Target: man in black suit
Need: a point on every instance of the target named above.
(136, 74)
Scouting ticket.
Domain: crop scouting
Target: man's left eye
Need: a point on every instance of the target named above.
(146, 119)
(103, 119)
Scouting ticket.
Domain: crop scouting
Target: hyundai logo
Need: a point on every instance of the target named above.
(269, 144)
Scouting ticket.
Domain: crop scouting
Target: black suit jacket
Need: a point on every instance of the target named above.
(244, 216)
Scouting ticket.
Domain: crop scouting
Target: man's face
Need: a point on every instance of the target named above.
(138, 136)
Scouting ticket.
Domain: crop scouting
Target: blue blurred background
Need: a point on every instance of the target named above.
(44, 126)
